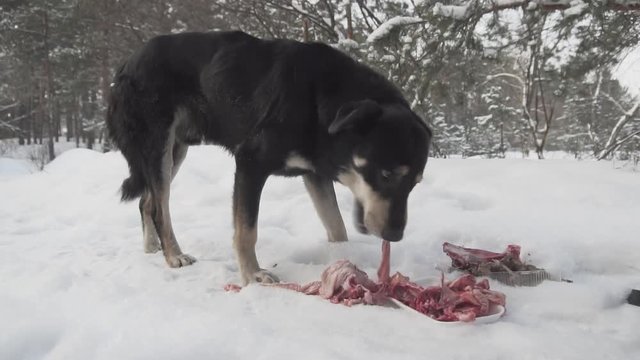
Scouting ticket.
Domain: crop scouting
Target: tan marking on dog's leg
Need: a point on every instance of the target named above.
(150, 236)
(247, 189)
(244, 242)
(170, 248)
(162, 217)
(151, 241)
(323, 197)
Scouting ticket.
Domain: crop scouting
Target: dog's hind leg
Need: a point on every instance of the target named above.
(150, 235)
(160, 190)
(323, 196)
(179, 154)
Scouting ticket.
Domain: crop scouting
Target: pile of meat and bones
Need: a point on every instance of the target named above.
(463, 299)
(482, 262)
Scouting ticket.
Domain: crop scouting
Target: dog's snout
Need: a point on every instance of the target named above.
(358, 217)
(362, 229)
(391, 234)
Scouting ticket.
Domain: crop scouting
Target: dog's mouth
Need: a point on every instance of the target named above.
(386, 234)
(367, 227)
(393, 235)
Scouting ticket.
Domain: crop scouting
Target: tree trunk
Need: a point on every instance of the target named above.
(349, 21)
(41, 114)
(305, 30)
(49, 75)
(76, 119)
(69, 124)
(105, 74)
(58, 120)
(22, 111)
(502, 147)
(90, 139)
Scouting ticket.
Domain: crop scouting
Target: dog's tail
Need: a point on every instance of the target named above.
(122, 126)
(133, 187)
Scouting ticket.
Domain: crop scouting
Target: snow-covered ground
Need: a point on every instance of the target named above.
(75, 283)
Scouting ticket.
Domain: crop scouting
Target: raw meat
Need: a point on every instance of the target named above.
(463, 299)
(343, 283)
(481, 262)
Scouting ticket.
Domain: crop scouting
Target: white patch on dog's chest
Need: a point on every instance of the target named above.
(295, 161)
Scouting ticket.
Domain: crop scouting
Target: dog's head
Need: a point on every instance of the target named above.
(387, 159)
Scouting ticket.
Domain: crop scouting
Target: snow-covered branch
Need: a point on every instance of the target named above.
(614, 147)
(576, 9)
(569, 7)
(388, 26)
(457, 12)
(525, 107)
(612, 144)
(93, 126)
(509, 75)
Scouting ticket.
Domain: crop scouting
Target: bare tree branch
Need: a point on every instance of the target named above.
(615, 102)
(612, 144)
(9, 107)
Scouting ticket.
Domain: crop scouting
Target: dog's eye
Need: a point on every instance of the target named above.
(386, 174)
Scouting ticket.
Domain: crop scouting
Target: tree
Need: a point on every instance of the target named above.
(620, 134)
(484, 79)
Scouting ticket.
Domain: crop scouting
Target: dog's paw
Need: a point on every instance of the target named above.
(152, 247)
(264, 277)
(180, 260)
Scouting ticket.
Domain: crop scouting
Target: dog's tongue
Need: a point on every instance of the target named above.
(383, 270)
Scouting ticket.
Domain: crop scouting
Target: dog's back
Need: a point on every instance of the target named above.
(222, 87)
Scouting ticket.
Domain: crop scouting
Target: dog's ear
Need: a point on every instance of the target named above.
(351, 114)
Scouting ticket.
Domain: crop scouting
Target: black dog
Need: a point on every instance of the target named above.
(281, 107)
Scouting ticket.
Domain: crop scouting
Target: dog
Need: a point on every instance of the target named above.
(281, 107)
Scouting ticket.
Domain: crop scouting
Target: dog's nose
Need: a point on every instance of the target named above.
(362, 229)
(390, 234)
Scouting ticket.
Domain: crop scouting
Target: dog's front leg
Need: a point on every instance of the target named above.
(324, 200)
(249, 181)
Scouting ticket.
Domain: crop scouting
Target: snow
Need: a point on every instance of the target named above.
(75, 283)
(457, 12)
(348, 44)
(577, 8)
(388, 58)
(13, 167)
(9, 148)
(628, 71)
(483, 119)
(385, 28)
